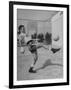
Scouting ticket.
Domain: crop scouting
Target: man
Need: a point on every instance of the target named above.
(33, 45)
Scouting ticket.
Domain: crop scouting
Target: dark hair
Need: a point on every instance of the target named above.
(31, 41)
(19, 28)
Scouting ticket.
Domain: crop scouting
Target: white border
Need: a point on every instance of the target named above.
(15, 46)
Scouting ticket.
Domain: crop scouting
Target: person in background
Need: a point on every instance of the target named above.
(21, 37)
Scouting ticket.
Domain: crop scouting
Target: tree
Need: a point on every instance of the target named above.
(34, 36)
(40, 37)
(48, 38)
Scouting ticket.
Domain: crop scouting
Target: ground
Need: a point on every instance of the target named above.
(48, 66)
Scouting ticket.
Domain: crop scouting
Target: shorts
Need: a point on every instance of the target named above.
(33, 49)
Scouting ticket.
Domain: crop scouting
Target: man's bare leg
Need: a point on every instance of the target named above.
(32, 69)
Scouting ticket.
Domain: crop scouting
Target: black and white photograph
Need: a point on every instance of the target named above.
(39, 44)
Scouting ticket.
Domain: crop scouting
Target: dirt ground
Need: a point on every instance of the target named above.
(48, 66)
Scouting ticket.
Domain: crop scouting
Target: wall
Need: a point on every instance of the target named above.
(57, 30)
(30, 26)
(44, 27)
(35, 20)
(34, 26)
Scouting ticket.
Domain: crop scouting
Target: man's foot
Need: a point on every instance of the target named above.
(31, 70)
(55, 50)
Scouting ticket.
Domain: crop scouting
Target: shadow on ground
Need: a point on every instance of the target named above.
(48, 63)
